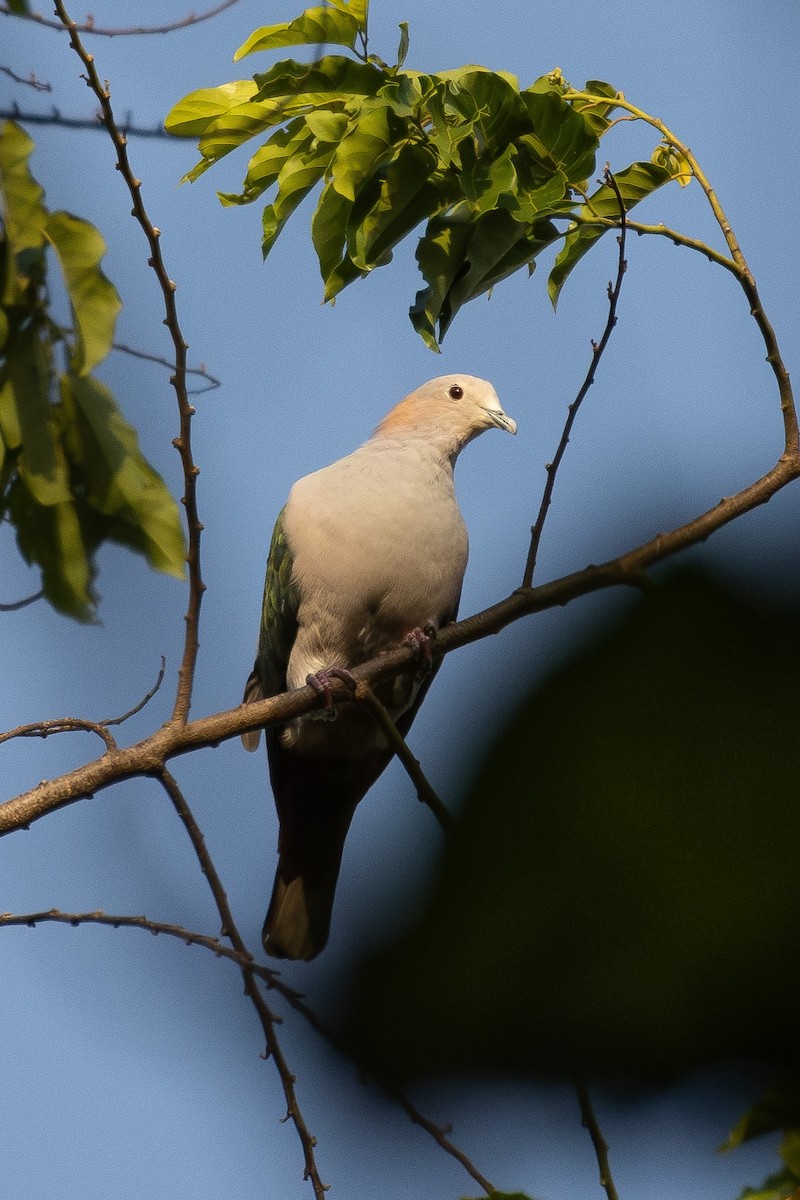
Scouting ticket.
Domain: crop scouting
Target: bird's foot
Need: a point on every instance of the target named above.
(321, 682)
(419, 639)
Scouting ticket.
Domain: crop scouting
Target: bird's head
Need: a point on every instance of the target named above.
(449, 411)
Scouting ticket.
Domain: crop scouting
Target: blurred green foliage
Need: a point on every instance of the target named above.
(620, 898)
(71, 472)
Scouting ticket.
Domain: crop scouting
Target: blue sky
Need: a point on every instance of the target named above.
(131, 1065)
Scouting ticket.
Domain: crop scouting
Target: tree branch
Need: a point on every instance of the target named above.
(133, 31)
(149, 756)
(54, 117)
(590, 1124)
(273, 981)
(267, 1018)
(182, 442)
(397, 742)
(572, 411)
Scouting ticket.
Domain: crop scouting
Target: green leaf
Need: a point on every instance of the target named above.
(402, 49)
(329, 234)
(192, 115)
(778, 1108)
(782, 1186)
(485, 181)
(23, 213)
(267, 163)
(405, 196)
(314, 27)
(461, 259)
(440, 255)
(52, 537)
(356, 8)
(115, 479)
(94, 299)
(26, 415)
(561, 136)
(296, 179)
(634, 182)
(330, 77)
(365, 146)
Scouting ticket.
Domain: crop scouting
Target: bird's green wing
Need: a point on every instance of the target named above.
(278, 627)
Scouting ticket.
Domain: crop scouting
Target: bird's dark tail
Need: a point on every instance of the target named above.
(316, 798)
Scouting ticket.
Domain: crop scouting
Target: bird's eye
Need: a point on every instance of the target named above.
(456, 392)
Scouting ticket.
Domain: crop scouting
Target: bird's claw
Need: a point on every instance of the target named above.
(419, 639)
(321, 682)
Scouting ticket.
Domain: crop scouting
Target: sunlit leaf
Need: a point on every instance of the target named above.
(356, 8)
(314, 27)
(332, 75)
(94, 299)
(296, 179)
(366, 144)
(191, 115)
(561, 135)
(267, 163)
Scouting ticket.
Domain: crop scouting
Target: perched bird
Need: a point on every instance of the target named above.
(365, 552)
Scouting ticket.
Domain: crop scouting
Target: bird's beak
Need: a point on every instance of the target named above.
(501, 420)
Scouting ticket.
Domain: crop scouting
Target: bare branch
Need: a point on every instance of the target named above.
(425, 792)
(251, 988)
(590, 1123)
(273, 981)
(134, 31)
(149, 756)
(211, 380)
(44, 729)
(572, 411)
(16, 605)
(30, 81)
(183, 442)
(137, 708)
(54, 117)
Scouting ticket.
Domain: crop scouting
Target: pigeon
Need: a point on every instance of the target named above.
(367, 554)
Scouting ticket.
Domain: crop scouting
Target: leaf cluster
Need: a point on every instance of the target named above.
(486, 167)
(72, 474)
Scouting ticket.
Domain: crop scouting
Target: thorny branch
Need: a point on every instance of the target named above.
(572, 411)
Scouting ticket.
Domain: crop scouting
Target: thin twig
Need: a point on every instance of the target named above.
(31, 81)
(572, 411)
(271, 978)
(16, 605)
(591, 1125)
(137, 708)
(43, 729)
(182, 442)
(251, 988)
(397, 742)
(211, 380)
(135, 31)
(56, 118)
